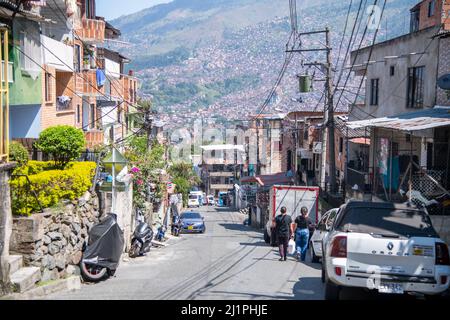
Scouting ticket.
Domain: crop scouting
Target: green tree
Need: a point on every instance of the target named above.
(62, 143)
(184, 177)
(18, 153)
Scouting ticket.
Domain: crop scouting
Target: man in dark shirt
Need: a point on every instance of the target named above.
(284, 232)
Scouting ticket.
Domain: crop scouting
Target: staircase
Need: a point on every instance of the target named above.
(23, 278)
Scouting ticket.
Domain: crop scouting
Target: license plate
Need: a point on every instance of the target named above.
(190, 227)
(389, 287)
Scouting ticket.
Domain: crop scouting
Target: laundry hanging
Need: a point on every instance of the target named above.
(101, 78)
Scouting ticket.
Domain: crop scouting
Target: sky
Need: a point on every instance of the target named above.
(111, 9)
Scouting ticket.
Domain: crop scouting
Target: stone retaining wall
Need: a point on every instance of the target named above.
(53, 240)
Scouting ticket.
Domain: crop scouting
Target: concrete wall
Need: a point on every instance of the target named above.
(25, 90)
(5, 225)
(25, 121)
(393, 89)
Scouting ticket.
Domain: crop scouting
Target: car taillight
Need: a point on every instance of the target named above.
(339, 247)
(338, 271)
(442, 256)
(443, 279)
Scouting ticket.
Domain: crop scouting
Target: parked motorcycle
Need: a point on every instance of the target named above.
(176, 225)
(101, 254)
(142, 237)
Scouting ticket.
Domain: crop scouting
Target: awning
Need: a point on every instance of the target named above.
(413, 121)
(360, 141)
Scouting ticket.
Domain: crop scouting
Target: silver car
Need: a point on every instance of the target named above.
(324, 225)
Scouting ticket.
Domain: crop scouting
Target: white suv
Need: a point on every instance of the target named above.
(386, 247)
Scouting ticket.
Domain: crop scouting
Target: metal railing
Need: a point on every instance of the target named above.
(64, 106)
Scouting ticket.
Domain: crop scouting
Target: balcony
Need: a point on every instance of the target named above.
(93, 30)
(57, 54)
(63, 104)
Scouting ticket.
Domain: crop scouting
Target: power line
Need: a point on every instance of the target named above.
(360, 44)
(85, 45)
(39, 65)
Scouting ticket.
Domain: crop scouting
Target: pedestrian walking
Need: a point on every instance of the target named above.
(283, 231)
(301, 225)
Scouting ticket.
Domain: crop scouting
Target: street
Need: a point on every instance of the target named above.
(229, 261)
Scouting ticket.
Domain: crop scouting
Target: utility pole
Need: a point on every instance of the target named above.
(328, 143)
(330, 112)
(148, 120)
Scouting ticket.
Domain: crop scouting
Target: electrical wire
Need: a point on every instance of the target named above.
(71, 90)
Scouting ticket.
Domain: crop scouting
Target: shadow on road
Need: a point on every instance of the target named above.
(256, 244)
(234, 226)
(308, 288)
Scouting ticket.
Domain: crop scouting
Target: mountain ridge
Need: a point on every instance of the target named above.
(186, 51)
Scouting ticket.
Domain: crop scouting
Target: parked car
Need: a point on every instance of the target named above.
(192, 222)
(320, 233)
(211, 200)
(194, 201)
(386, 247)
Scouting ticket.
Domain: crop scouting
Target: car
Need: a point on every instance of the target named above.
(194, 201)
(321, 231)
(211, 200)
(192, 222)
(385, 247)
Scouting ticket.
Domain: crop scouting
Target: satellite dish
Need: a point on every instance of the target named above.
(444, 82)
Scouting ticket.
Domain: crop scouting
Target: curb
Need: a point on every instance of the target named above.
(69, 284)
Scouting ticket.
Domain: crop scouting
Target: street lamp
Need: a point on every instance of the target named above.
(114, 162)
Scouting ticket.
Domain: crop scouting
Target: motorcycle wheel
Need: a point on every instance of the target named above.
(135, 249)
(92, 273)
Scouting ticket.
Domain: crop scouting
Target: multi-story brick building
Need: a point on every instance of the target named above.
(62, 74)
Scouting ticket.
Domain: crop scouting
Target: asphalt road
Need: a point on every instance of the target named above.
(230, 261)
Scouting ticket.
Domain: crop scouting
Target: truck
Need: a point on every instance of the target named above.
(293, 198)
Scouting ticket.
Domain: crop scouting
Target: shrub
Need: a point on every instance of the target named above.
(18, 153)
(62, 143)
(50, 185)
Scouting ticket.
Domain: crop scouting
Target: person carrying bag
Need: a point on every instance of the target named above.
(302, 223)
(283, 230)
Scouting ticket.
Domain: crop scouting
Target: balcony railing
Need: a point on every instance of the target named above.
(93, 30)
(63, 104)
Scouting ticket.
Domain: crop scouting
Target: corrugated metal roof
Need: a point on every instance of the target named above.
(412, 121)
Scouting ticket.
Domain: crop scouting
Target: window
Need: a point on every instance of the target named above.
(78, 113)
(77, 58)
(415, 87)
(431, 8)
(392, 71)
(92, 124)
(47, 85)
(341, 145)
(89, 9)
(414, 24)
(374, 86)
